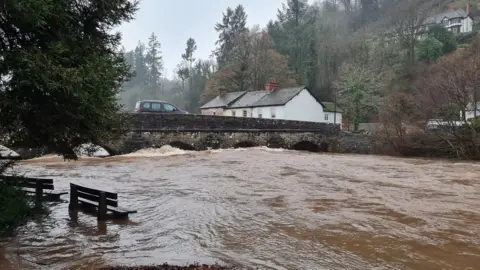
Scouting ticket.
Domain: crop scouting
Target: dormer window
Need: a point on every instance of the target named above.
(456, 20)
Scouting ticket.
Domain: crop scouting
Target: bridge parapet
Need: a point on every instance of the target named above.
(192, 122)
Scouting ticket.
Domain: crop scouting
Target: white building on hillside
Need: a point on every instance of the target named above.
(295, 103)
(470, 111)
(456, 21)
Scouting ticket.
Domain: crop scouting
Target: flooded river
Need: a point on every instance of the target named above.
(262, 208)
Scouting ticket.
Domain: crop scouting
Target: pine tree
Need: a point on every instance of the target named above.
(141, 70)
(154, 62)
(60, 72)
(233, 24)
(188, 57)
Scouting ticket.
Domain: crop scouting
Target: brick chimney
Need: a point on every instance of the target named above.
(468, 8)
(268, 88)
(222, 91)
(271, 86)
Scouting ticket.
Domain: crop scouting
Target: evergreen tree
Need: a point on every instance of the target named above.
(154, 62)
(188, 57)
(233, 24)
(446, 37)
(141, 70)
(61, 71)
(291, 35)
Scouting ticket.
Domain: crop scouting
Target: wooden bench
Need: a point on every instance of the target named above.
(106, 203)
(36, 186)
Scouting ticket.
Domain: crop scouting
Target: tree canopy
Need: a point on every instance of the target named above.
(61, 71)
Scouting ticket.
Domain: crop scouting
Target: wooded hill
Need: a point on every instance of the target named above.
(338, 48)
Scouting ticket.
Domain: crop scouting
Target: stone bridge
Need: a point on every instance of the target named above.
(201, 132)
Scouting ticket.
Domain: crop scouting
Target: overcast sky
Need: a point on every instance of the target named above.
(174, 21)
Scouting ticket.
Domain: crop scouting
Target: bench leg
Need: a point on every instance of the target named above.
(102, 207)
(73, 205)
(38, 194)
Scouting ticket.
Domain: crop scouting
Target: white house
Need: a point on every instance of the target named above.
(470, 111)
(218, 105)
(331, 113)
(296, 103)
(242, 106)
(456, 21)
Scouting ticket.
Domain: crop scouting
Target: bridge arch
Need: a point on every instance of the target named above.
(111, 151)
(245, 144)
(310, 146)
(181, 145)
(7, 153)
(276, 141)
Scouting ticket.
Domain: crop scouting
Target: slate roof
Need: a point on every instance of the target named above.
(330, 107)
(248, 99)
(223, 100)
(278, 97)
(436, 19)
(261, 99)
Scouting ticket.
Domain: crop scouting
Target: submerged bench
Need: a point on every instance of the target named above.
(36, 186)
(106, 203)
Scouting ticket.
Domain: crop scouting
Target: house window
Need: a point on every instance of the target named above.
(214, 113)
(325, 117)
(260, 115)
(233, 113)
(456, 20)
(273, 112)
(456, 29)
(244, 113)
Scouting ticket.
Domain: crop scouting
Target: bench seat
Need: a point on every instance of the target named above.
(105, 204)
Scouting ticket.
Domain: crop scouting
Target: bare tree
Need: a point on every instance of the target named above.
(448, 90)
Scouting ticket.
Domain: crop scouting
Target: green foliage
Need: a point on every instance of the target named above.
(467, 38)
(358, 91)
(292, 34)
(430, 49)
(233, 24)
(15, 207)
(189, 50)
(61, 71)
(445, 37)
(154, 62)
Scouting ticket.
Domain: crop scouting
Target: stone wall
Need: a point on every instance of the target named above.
(354, 144)
(192, 122)
(216, 140)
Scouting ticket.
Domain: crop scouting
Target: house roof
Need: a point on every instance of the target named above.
(248, 99)
(330, 107)
(258, 99)
(223, 100)
(436, 19)
(278, 97)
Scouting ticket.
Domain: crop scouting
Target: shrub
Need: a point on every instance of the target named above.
(15, 207)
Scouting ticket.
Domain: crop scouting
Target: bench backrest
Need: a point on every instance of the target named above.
(27, 182)
(94, 195)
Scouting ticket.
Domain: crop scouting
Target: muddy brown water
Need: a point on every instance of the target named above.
(260, 208)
